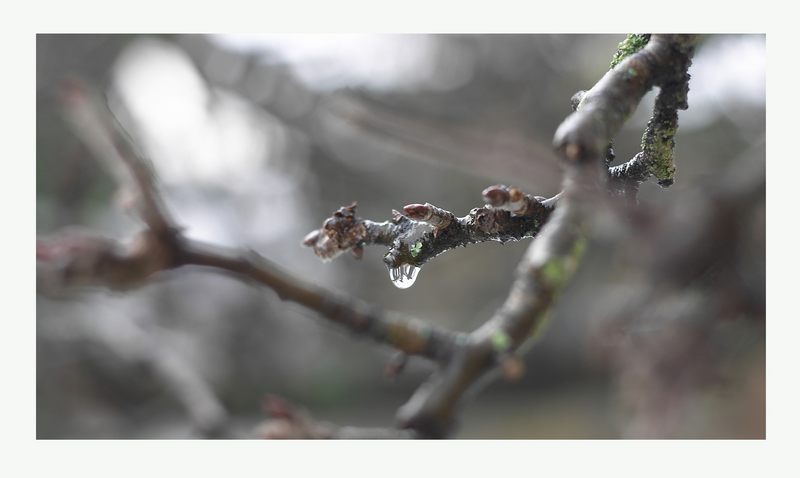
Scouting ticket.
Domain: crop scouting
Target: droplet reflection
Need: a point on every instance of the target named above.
(404, 276)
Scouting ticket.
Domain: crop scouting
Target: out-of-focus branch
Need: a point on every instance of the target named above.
(80, 258)
(84, 259)
(90, 260)
(111, 144)
(352, 115)
(424, 231)
(406, 334)
(681, 298)
(603, 109)
(478, 149)
(290, 422)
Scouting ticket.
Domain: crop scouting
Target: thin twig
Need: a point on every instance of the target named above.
(407, 334)
(424, 231)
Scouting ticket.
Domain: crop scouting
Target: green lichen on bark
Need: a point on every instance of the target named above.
(658, 144)
(656, 158)
(559, 269)
(658, 141)
(501, 342)
(630, 45)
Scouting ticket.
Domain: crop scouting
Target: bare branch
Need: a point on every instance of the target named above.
(83, 259)
(603, 109)
(658, 141)
(291, 422)
(407, 334)
(97, 127)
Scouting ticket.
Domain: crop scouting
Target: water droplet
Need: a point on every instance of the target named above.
(404, 276)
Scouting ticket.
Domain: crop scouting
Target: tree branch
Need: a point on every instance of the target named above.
(110, 143)
(424, 231)
(658, 142)
(84, 259)
(290, 422)
(604, 108)
(406, 334)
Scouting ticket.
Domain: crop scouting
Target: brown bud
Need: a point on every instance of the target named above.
(357, 251)
(277, 407)
(419, 212)
(311, 238)
(515, 195)
(573, 152)
(495, 195)
(397, 216)
(513, 368)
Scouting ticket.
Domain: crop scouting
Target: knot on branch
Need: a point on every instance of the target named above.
(77, 258)
(580, 139)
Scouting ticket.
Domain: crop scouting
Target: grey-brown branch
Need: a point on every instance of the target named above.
(423, 231)
(78, 258)
(640, 64)
(658, 142)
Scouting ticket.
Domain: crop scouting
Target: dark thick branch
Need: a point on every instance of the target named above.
(658, 141)
(585, 134)
(582, 139)
(545, 270)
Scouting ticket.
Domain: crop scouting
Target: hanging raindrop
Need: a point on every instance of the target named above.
(404, 276)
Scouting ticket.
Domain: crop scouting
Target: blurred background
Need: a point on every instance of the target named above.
(257, 139)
